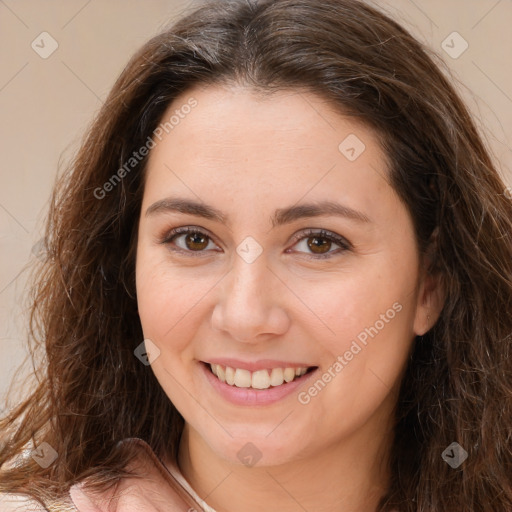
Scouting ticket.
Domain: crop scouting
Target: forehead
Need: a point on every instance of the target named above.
(297, 118)
(285, 147)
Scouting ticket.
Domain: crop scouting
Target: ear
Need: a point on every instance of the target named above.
(431, 293)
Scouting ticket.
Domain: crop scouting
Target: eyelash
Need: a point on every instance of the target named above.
(344, 244)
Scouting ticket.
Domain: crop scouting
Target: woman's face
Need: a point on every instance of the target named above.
(300, 255)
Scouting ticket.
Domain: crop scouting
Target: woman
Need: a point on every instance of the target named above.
(279, 277)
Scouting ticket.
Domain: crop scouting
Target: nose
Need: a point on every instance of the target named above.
(250, 305)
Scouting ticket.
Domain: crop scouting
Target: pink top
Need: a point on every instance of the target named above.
(162, 490)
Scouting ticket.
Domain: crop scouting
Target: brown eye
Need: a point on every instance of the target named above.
(196, 241)
(188, 240)
(319, 245)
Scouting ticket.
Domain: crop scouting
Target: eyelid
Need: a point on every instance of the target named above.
(184, 230)
(322, 233)
(344, 244)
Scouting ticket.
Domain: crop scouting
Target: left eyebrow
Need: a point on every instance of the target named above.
(281, 216)
(293, 213)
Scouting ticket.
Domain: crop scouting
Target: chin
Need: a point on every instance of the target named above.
(257, 450)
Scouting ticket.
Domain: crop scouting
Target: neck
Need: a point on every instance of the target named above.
(349, 476)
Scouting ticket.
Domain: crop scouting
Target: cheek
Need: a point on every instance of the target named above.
(370, 318)
(366, 346)
(170, 302)
(357, 305)
(157, 292)
(169, 307)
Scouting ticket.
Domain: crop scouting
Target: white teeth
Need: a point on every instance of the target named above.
(242, 378)
(289, 374)
(220, 373)
(260, 379)
(276, 377)
(230, 376)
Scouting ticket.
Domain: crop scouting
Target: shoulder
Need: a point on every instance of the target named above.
(18, 503)
(21, 503)
(152, 488)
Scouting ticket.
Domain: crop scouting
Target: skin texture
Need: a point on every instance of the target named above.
(248, 155)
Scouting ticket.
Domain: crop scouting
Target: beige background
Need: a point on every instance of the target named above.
(46, 104)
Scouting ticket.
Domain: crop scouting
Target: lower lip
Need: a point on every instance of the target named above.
(250, 396)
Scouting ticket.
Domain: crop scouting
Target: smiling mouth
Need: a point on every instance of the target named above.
(259, 379)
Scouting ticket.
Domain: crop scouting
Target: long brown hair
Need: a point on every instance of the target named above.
(457, 387)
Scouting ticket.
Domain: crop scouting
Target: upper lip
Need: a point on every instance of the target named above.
(261, 364)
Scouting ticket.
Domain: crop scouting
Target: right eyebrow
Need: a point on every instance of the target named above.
(187, 206)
